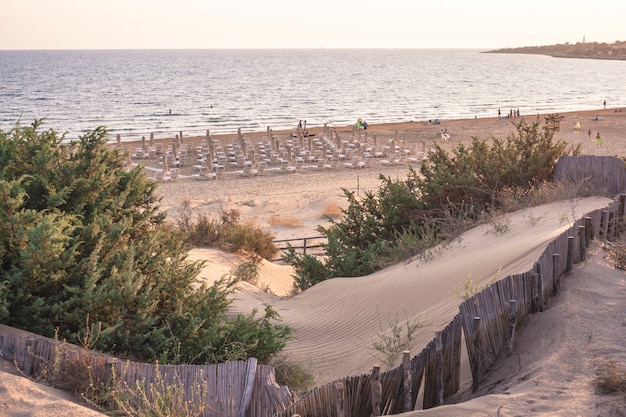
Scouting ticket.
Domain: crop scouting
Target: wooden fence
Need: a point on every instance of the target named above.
(306, 245)
(604, 172)
(232, 389)
(487, 320)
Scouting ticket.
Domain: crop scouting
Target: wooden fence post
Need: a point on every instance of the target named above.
(620, 212)
(588, 231)
(534, 293)
(604, 223)
(248, 388)
(28, 354)
(439, 367)
(581, 243)
(610, 233)
(406, 380)
(476, 368)
(570, 254)
(540, 289)
(512, 323)
(340, 399)
(377, 391)
(556, 275)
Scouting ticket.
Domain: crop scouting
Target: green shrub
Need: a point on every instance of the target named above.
(250, 239)
(451, 192)
(82, 236)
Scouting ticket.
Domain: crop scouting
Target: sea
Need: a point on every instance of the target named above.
(137, 92)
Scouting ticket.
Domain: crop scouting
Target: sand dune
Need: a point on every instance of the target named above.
(337, 321)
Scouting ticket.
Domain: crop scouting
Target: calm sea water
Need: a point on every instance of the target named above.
(133, 91)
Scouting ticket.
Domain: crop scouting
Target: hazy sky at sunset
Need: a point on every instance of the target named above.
(167, 24)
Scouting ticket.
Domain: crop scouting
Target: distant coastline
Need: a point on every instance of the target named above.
(585, 50)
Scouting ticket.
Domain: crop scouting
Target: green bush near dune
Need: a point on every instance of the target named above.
(85, 247)
(449, 194)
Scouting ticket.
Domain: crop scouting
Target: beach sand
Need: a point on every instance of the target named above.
(336, 322)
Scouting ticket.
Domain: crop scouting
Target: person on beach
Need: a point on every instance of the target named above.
(598, 139)
(589, 134)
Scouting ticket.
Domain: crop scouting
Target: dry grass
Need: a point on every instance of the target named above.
(513, 199)
(616, 254)
(284, 221)
(610, 378)
(331, 210)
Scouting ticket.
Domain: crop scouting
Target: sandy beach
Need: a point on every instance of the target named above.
(336, 322)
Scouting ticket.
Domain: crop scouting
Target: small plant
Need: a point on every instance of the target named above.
(391, 341)
(248, 203)
(573, 204)
(531, 219)
(281, 221)
(247, 271)
(563, 217)
(90, 335)
(469, 287)
(292, 374)
(500, 222)
(67, 369)
(161, 398)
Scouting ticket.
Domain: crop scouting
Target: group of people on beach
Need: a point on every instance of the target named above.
(589, 133)
(302, 128)
(512, 113)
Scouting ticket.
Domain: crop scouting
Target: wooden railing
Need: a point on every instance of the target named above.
(303, 245)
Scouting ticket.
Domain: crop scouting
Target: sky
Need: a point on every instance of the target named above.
(261, 24)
